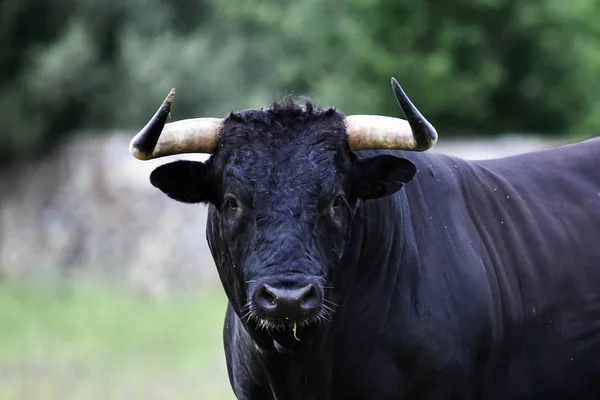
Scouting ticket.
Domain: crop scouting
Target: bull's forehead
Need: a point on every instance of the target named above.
(284, 151)
(294, 171)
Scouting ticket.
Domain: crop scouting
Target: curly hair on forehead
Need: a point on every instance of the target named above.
(283, 123)
(284, 110)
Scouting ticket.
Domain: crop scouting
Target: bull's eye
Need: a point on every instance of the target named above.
(337, 203)
(230, 202)
(333, 208)
(337, 206)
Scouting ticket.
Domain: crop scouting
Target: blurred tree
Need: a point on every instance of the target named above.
(472, 66)
(25, 26)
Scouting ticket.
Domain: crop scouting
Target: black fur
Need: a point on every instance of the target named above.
(478, 280)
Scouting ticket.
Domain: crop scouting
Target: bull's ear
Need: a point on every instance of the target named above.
(381, 176)
(185, 181)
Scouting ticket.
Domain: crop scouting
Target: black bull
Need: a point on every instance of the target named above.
(394, 274)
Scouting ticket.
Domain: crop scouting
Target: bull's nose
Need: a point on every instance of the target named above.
(287, 302)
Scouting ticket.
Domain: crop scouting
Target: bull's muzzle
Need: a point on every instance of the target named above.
(285, 302)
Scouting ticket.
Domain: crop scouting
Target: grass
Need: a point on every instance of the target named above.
(93, 341)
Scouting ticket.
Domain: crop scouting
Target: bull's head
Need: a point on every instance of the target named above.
(284, 186)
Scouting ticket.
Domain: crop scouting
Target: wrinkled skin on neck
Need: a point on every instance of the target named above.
(283, 191)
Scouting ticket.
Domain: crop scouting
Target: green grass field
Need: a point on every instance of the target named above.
(100, 342)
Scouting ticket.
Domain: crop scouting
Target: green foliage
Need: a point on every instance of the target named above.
(90, 341)
(472, 66)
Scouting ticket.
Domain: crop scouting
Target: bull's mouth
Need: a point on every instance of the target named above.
(288, 337)
(285, 314)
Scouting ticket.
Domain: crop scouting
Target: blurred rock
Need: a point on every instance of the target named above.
(89, 209)
(487, 148)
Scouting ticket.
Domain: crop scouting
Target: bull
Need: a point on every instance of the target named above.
(359, 266)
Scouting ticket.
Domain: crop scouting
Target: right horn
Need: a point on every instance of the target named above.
(379, 132)
(196, 135)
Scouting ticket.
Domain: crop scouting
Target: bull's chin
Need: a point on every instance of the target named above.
(290, 338)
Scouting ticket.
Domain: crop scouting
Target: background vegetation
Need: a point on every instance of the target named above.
(78, 66)
(98, 341)
(484, 66)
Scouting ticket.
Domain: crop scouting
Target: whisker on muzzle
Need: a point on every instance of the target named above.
(328, 310)
(247, 316)
(331, 303)
(247, 312)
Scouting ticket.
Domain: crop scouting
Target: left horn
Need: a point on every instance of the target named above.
(197, 135)
(378, 132)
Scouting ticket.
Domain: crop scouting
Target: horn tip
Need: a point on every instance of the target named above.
(398, 91)
(136, 152)
(170, 98)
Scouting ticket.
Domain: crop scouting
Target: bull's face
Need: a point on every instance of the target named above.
(284, 189)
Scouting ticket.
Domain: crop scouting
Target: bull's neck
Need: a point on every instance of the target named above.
(377, 240)
(385, 238)
(380, 239)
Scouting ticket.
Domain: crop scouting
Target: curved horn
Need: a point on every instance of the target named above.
(198, 135)
(378, 132)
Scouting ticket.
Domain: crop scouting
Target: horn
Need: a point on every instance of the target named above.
(197, 135)
(379, 132)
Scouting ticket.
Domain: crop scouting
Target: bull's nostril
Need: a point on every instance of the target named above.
(264, 297)
(311, 298)
(268, 297)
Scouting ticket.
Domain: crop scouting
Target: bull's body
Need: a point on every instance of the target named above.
(478, 280)
(356, 274)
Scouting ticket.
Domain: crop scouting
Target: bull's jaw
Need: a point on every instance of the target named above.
(302, 371)
(289, 338)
